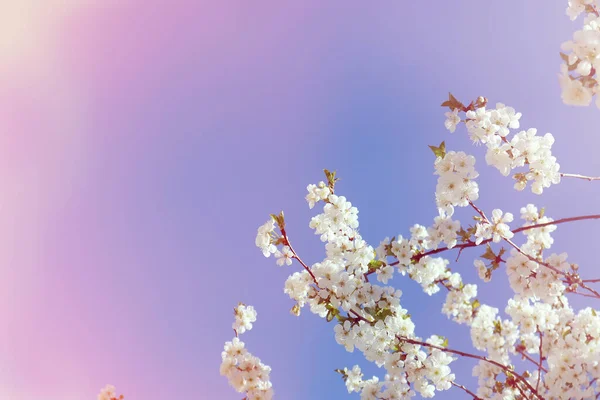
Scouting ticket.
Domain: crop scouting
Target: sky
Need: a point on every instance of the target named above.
(143, 143)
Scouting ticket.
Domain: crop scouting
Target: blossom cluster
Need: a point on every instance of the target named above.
(369, 315)
(456, 184)
(245, 372)
(109, 393)
(492, 127)
(581, 56)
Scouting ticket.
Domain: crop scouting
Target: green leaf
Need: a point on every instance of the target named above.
(375, 264)
(439, 151)
(329, 316)
(331, 179)
(445, 342)
(497, 327)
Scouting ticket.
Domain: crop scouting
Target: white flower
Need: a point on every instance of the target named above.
(263, 238)
(452, 120)
(244, 317)
(573, 91)
(317, 193)
(284, 256)
(500, 229)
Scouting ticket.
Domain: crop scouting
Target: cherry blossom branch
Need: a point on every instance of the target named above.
(587, 178)
(569, 277)
(466, 390)
(505, 368)
(306, 267)
(462, 246)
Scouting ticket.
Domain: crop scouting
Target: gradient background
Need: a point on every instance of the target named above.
(142, 144)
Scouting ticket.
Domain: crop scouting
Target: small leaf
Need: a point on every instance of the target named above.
(497, 327)
(295, 310)
(502, 251)
(489, 253)
(453, 103)
(331, 179)
(329, 316)
(465, 236)
(375, 264)
(439, 151)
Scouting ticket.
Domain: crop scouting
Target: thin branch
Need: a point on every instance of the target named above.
(553, 268)
(587, 178)
(589, 289)
(528, 357)
(466, 390)
(289, 244)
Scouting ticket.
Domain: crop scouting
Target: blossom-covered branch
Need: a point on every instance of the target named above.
(581, 56)
(245, 372)
(370, 318)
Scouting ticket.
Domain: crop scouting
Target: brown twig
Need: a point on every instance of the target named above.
(287, 242)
